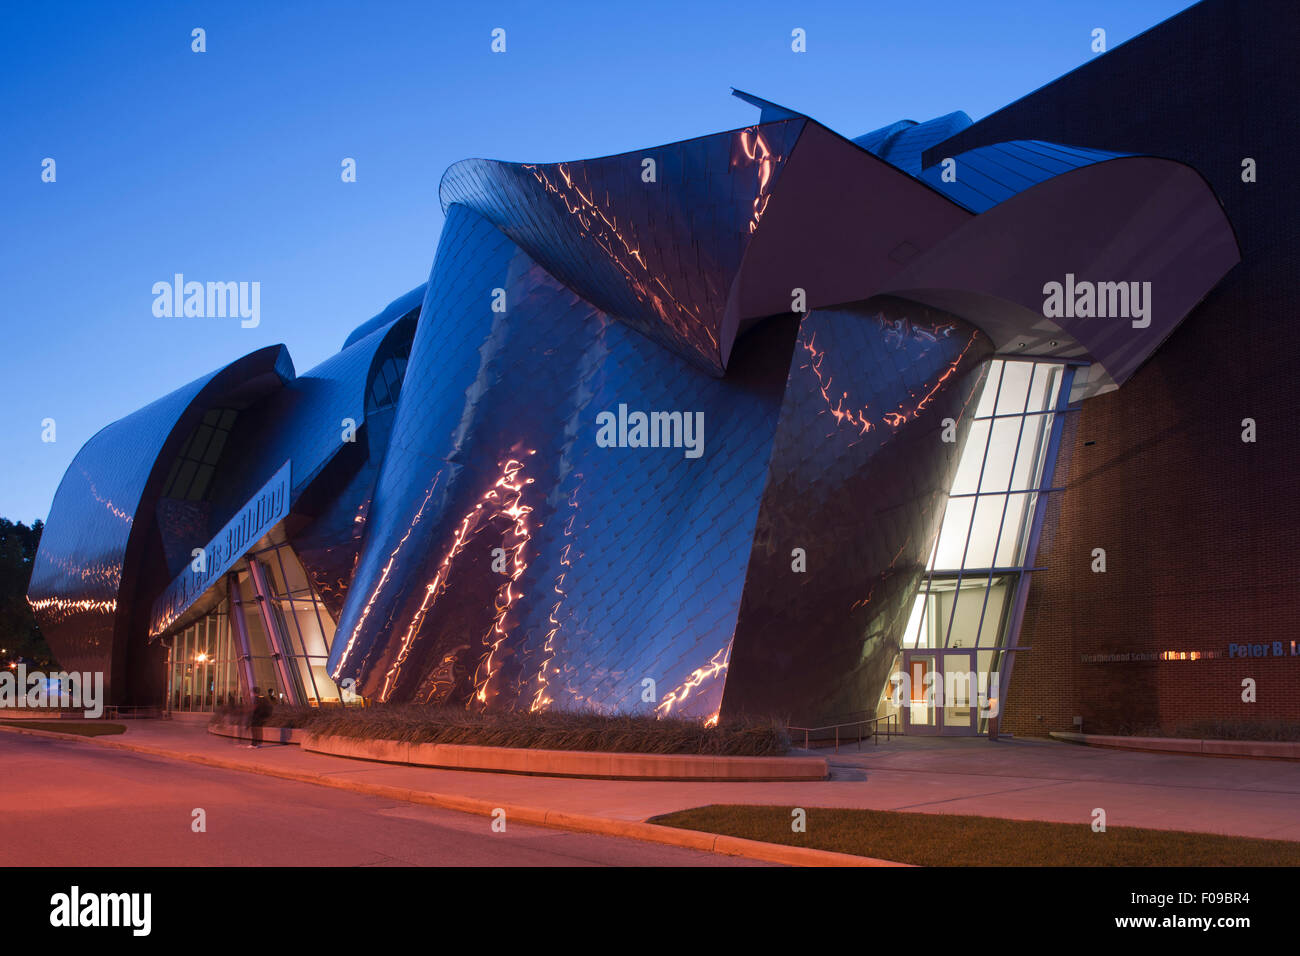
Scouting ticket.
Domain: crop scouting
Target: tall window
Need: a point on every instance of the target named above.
(192, 468)
(204, 665)
(305, 624)
(978, 574)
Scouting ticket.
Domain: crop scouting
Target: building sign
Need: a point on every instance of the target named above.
(262, 513)
(1259, 649)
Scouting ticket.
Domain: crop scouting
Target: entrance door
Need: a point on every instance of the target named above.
(944, 692)
(959, 709)
(920, 716)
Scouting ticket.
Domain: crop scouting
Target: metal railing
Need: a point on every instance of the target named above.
(125, 712)
(110, 712)
(890, 730)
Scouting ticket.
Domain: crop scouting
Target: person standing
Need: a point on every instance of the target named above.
(261, 711)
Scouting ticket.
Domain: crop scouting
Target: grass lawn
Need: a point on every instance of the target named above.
(82, 728)
(929, 839)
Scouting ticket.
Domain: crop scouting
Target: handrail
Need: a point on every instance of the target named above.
(889, 720)
(129, 711)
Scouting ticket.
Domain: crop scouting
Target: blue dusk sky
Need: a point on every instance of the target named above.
(225, 165)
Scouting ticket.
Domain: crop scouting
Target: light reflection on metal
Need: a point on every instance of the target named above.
(893, 563)
(841, 415)
(541, 700)
(620, 252)
(661, 255)
(757, 150)
(60, 608)
(502, 498)
(125, 516)
(896, 419)
(349, 646)
(518, 512)
(716, 666)
(897, 331)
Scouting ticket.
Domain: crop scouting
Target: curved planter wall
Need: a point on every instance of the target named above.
(270, 735)
(567, 763)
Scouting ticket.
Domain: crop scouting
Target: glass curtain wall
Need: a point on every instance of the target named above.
(979, 569)
(204, 665)
(307, 628)
(204, 662)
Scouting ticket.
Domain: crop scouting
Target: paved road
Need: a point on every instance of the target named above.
(67, 803)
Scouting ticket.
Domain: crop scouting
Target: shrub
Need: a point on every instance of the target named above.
(1209, 729)
(546, 730)
(1240, 730)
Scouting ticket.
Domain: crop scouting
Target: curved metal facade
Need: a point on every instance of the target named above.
(523, 519)
(601, 579)
(83, 586)
(320, 422)
(660, 254)
(859, 475)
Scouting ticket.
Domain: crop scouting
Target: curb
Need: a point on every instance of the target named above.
(555, 819)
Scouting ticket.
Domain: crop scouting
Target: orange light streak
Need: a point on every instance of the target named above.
(540, 700)
(755, 147)
(842, 415)
(383, 578)
(469, 525)
(925, 400)
(113, 509)
(66, 606)
(584, 208)
(858, 419)
(518, 512)
(699, 676)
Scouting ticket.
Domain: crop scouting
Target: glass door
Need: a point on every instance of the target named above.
(920, 713)
(941, 693)
(959, 709)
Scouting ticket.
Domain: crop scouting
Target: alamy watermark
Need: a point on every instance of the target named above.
(63, 690)
(213, 300)
(951, 689)
(626, 429)
(1085, 299)
(74, 908)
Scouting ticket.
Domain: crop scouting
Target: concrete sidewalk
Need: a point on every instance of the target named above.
(1016, 779)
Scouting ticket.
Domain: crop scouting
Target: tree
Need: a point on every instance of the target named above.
(20, 636)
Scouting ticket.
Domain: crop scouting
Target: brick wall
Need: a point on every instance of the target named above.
(1201, 531)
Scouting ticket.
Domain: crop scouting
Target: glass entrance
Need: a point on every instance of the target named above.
(959, 709)
(920, 716)
(970, 602)
(940, 692)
